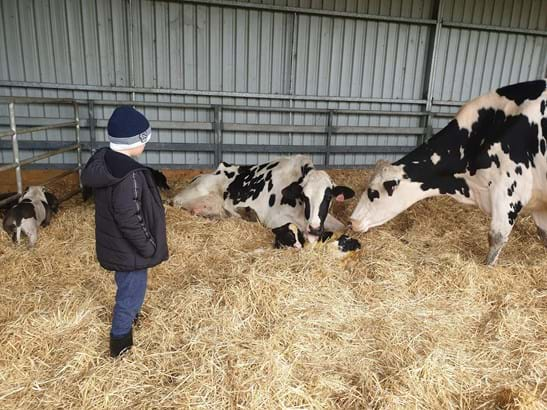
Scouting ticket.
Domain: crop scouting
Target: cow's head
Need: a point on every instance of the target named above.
(288, 235)
(36, 192)
(388, 193)
(316, 191)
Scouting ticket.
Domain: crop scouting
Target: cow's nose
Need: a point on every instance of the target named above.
(315, 230)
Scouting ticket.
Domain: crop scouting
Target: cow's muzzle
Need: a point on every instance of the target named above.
(316, 231)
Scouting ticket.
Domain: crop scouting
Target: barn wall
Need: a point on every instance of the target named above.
(342, 55)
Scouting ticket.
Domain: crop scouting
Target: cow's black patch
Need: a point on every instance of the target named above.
(23, 210)
(272, 165)
(324, 206)
(542, 146)
(511, 189)
(516, 135)
(508, 174)
(514, 212)
(229, 174)
(225, 164)
(247, 184)
(216, 173)
(372, 194)
(520, 92)
(518, 170)
(225, 195)
(446, 144)
(307, 211)
(290, 194)
(261, 167)
(390, 186)
(306, 168)
(542, 107)
(270, 185)
(269, 176)
(271, 202)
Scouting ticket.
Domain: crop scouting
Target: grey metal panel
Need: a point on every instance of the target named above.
(201, 47)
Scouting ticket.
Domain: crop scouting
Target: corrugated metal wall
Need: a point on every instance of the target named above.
(342, 55)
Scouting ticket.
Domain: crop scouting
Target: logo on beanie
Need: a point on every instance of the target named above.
(143, 137)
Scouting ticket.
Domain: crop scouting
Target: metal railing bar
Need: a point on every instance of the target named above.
(49, 154)
(171, 91)
(40, 128)
(258, 148)
(32, 100)
(151, 146)
(497, 29)
(7, 167)
(309, 11)
(9, 199)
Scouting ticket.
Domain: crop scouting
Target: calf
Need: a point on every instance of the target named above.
(286, 190)
(35, 209)
(288, 236)
(492, 155)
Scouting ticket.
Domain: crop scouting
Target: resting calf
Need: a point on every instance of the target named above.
(34, 209)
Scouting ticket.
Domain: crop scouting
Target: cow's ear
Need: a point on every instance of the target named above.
(390, 186)
(292, 192)
(341, 193)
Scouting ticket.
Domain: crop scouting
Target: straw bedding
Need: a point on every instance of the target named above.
(412, 320)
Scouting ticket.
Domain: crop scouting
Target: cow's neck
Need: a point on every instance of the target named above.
(439, 164)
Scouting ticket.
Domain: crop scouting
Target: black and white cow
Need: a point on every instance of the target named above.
(286, 190)
(34, 209)
(492, 155)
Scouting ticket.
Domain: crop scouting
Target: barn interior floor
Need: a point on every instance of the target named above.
(412, 320)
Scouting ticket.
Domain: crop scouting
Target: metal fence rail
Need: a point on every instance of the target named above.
(216, 126)
(18, 163)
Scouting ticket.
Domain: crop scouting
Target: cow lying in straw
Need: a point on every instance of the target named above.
(34, 209)
(492, 155)
(283, 191)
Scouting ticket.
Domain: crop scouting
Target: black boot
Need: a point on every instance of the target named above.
(121, 344)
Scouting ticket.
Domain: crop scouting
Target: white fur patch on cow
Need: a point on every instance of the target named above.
(435, 158)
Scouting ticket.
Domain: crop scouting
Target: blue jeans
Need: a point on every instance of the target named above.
(129, 299)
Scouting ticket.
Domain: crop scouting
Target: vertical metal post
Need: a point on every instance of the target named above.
(217, 130)
(329, 137)
(130, 48)
(79, 149)
(432, 67)
(292, 67)
(15, 148)
(91, 120)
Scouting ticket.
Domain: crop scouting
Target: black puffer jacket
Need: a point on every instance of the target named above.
(129, 215)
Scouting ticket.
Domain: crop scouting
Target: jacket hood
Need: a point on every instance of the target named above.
(107, 167)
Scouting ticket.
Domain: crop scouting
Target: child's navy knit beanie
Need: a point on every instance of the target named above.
(128, 128)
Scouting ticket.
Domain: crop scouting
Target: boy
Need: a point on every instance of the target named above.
(129, 218)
